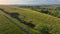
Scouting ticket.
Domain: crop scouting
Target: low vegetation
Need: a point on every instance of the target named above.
(54, 11)
(42, 20)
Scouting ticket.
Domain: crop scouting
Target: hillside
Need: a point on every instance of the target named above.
(17, 20)
(6, 26)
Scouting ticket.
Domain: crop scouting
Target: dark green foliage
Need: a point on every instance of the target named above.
(36, 8)
(58, 8)
(44, 29)
(45, 11)
(54, 11)
(51, 11)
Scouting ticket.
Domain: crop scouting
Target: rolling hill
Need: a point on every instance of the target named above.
(15, 20)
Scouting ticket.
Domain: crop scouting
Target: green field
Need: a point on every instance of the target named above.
(44, 23)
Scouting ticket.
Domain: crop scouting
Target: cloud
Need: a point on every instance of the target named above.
(30, 2)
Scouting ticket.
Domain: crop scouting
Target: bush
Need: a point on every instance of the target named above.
(51, 11)
(45, 11)
(46, 30)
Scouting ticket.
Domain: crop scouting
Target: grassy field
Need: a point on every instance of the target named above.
(7, 27)
(48, 23)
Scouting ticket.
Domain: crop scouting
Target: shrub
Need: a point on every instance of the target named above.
(45, 30)
(45, 11)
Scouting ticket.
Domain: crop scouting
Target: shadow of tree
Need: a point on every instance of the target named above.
(16, 16)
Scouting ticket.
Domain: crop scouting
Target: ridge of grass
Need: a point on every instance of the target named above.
(37, 18)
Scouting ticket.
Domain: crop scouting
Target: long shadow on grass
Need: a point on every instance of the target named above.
(15, 15)
(26, 30)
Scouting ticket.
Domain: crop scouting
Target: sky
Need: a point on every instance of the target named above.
(29, 2)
